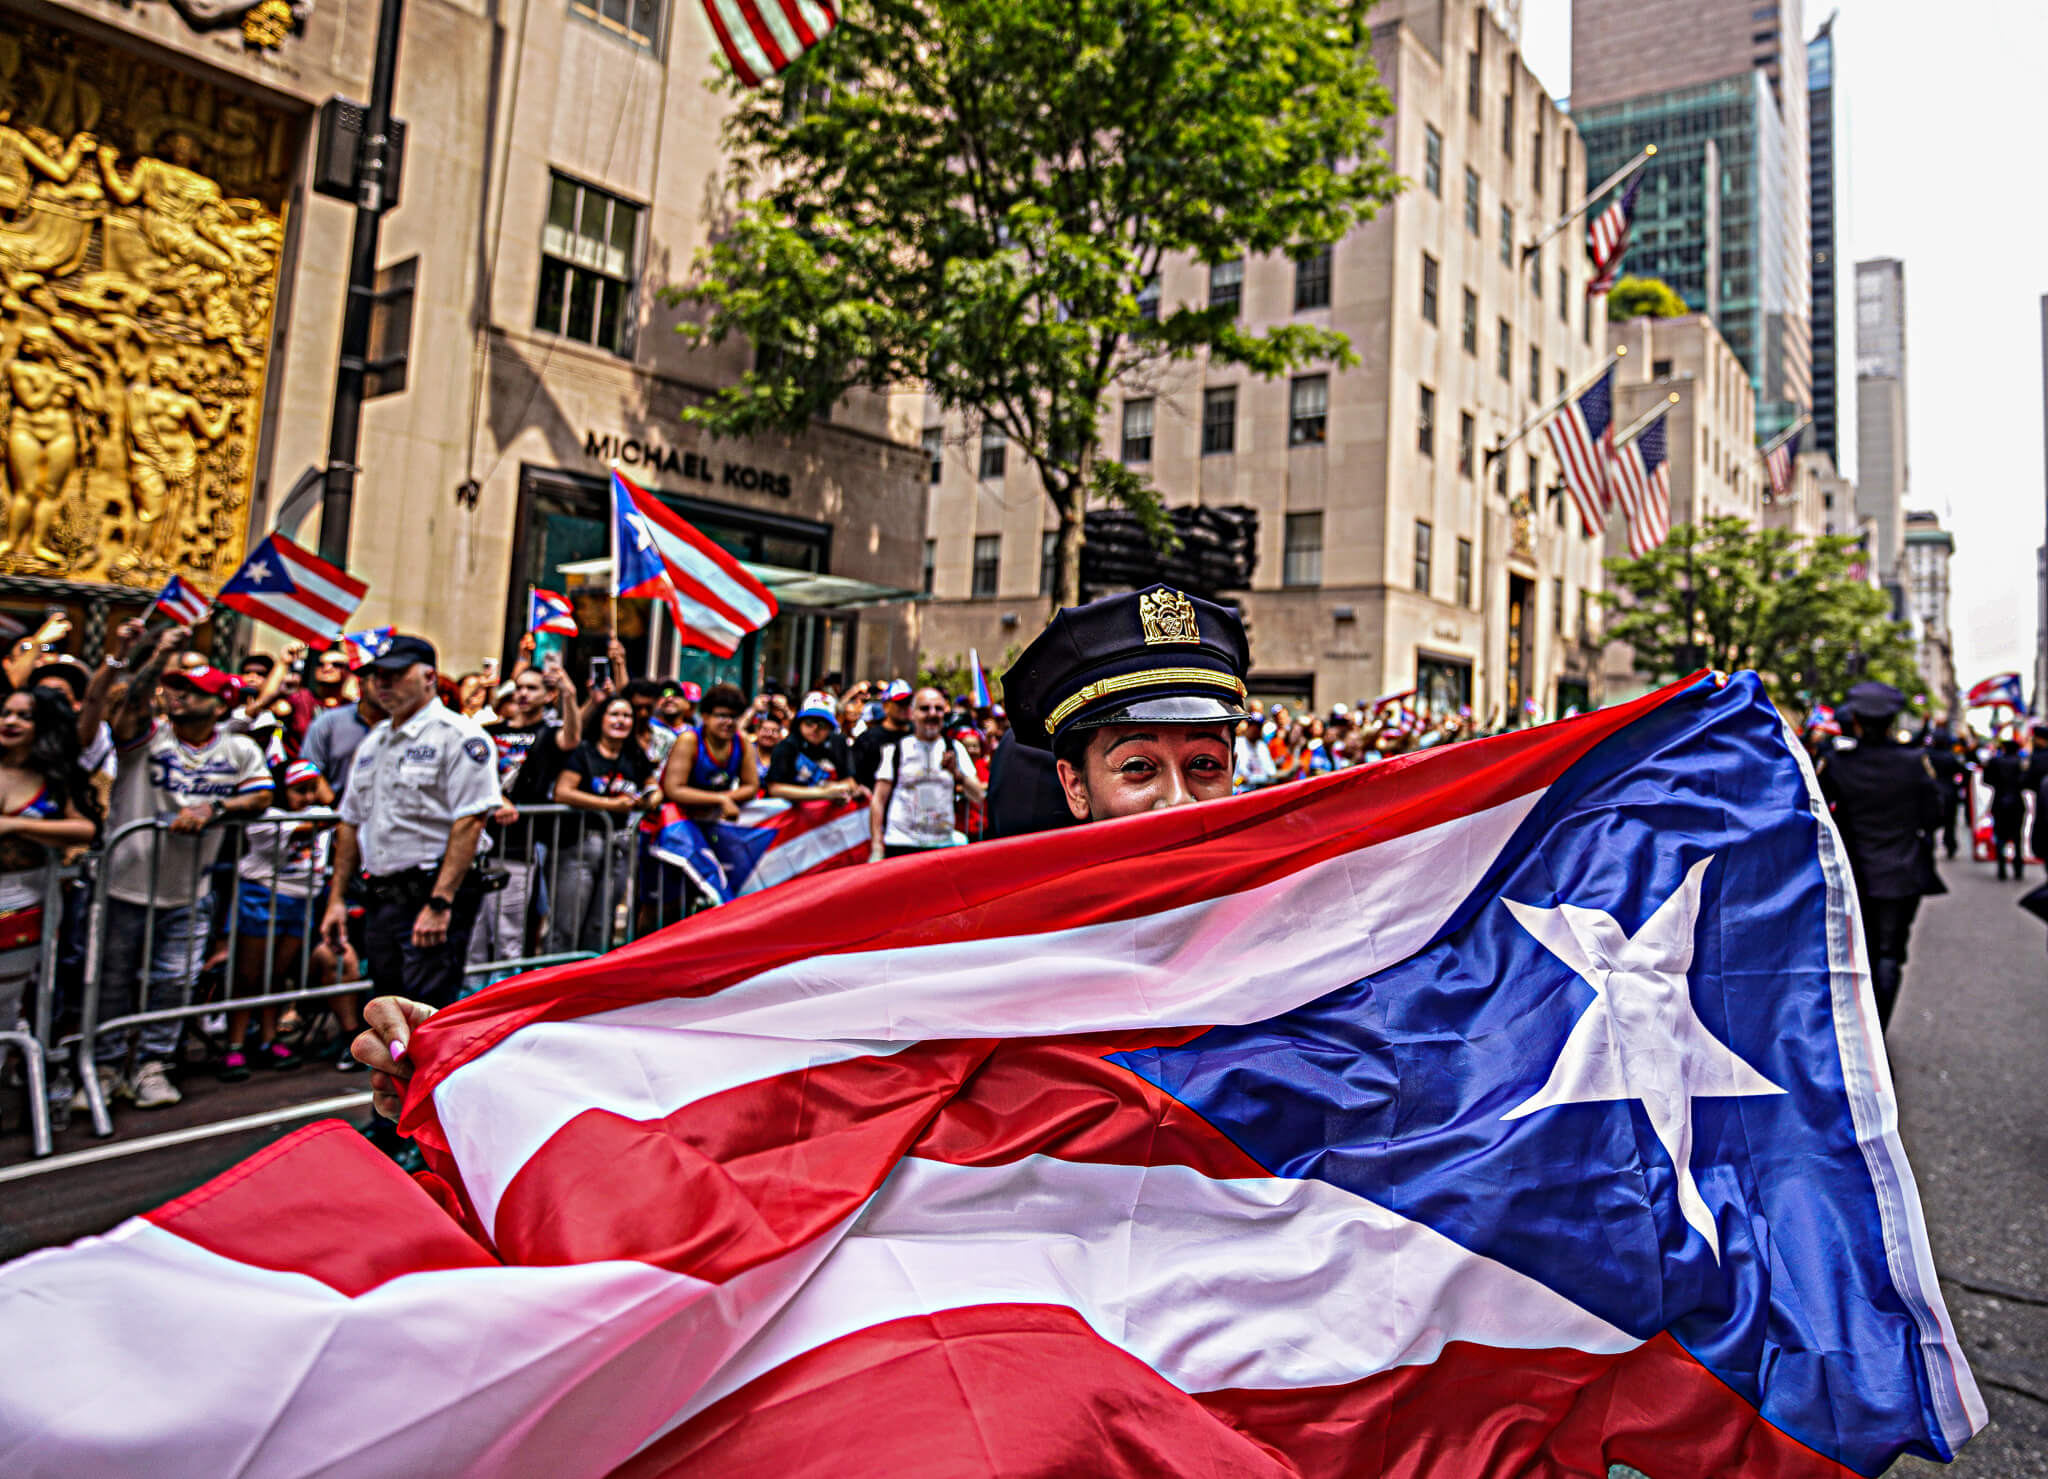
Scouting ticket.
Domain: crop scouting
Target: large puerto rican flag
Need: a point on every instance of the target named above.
(659, 554)
(294, 590)
(1517, 1107)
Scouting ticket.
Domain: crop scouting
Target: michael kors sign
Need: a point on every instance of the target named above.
(636, 452)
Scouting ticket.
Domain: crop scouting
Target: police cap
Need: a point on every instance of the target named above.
(1877, 702)
(1156, 656)
(402, 652)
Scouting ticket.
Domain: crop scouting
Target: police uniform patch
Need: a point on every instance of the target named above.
(477, 750)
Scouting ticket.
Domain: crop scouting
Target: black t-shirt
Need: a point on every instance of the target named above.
(868, 746)
(604, 775)
(529, 759)
(794, 763)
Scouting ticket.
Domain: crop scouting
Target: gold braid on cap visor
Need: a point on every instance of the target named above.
(1149, 678)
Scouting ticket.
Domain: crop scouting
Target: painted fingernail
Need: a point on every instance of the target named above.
(398, 1051)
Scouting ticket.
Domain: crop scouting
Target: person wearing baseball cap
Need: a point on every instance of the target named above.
(812, 764)
(420, 788)
(881, 734)
(185, 766)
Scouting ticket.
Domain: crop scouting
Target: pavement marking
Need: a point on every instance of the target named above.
(337, 1105)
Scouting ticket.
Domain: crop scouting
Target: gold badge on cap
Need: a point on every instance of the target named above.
(1168, 616)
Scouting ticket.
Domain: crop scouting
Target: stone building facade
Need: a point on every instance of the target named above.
(1391, 552)
(562, 165)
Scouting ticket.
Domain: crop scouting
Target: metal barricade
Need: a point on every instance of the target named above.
(39, 1002)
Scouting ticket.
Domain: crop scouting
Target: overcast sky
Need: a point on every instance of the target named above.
(1944, 120)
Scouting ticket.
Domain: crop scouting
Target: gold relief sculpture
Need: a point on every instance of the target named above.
(1522, 524)
(141, 228)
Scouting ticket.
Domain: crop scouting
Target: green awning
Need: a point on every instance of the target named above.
(799, 588)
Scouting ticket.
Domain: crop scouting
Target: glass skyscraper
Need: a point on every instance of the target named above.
(1820, 112)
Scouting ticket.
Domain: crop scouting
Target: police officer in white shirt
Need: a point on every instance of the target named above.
(420, 789)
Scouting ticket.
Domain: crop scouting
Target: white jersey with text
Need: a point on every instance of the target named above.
(160, 775)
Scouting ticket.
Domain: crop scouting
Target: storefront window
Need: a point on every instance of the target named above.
(1443, 685)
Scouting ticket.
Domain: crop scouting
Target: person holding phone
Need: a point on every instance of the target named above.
(531, 751)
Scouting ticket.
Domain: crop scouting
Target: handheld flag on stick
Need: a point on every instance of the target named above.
(658, 554)
(1607, 239)
(181, 602)
(2000, 691)
(1640, 472)
(1582, 435)
(364, 648)
(550, 612)
(1555, 1052)
(980, 681)
(762, 37)
(293, 590)
(1778, 462)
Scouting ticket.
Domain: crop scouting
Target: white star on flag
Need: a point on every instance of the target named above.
(1641, 1038)
(257, 571)
(643, 537)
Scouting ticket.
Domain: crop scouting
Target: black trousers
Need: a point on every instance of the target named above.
(397, 967)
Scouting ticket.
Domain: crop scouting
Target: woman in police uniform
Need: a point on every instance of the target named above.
(1136, 698)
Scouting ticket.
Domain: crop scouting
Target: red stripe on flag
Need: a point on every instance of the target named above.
(732, 53)
(764, 37)
(257, 609)
(793, 13)
(1032, 1389)
(320, 567)
(1132, 867)
(344, 1214)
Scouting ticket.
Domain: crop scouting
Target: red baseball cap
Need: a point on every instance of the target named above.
(210, 681)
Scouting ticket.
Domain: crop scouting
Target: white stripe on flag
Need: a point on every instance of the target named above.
(815, 17)
(1184, 1271)
(744, 41)
(319, 586)
(779, 27)
(700, 567)
(295, 610)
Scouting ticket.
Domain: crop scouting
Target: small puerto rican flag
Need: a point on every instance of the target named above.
(181, 602)
(551, 612)
(364, 648)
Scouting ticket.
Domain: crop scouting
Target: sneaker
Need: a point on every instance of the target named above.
(234, 1067)
(111, 1088)
(349, 1063)
(153, 1088)
(276, 1055)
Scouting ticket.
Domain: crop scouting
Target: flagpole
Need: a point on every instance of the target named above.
(1784, 436)
(1587, 204)
(613, 521)
(1642, 423)
(1499, 448)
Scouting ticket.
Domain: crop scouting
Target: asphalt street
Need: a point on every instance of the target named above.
(1969, 1052)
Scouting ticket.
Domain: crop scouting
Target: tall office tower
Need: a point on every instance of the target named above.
(1820, 111)
(1719, 86)
(1881, 465)
(1928, 550)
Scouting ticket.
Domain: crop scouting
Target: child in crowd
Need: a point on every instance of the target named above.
(283, 870)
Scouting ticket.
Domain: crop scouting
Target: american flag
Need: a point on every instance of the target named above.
(762, 37)
(181, 602)
(1607, 239)
(1778, 462)
(294, 590)
(1582, 434)
(1502, 1110)
(1641, 473)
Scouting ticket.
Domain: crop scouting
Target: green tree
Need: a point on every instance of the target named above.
(1760, 598)
(975, 197)
(1644, 297)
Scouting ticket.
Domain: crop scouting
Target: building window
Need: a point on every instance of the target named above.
(1472, 201)
(1504, 361)
(586, 266)
(988, 559)
(1226, 284)
(1302, 558)
(1219, 420)
(1660, 369)
(935, 450)
(1535, 482)
(1468, 443)
(1137, 431)
(1475, 85)
(1048, 560)
(992, 449)
(1557, 603)
(1507, 237)
(1470, 326)
(1564, 295)
(639, 21)
(1536, 275)
(1564, 181)
(1432, 161)
(1148, 300)
(1424, 539)
(1586, 324)
(1536, 161)
(1428, 288)
(1308, 410)
(1425, 422)
(1585, 615)
(931, 563)
(1464, 572)
(1312, 280)
(1535, 373)
(1507, 121)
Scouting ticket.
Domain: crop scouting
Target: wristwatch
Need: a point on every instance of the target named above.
(218, 807)
(438, 904)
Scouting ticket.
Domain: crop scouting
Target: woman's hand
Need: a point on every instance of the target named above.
(388, 1023)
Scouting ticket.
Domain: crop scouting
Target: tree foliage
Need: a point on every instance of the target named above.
(970, 196)
(1644, 297)
(1766, 599)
